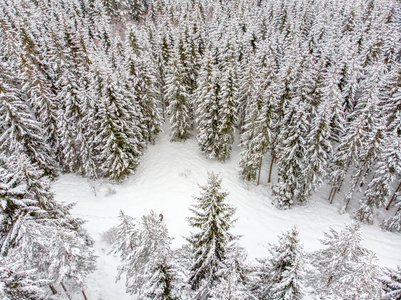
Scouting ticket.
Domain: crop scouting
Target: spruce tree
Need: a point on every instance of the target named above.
(213, 218)
(344, 262)
(19, 283)
(228, 107)
(235, 276)
(177, 95)
(118, 134)
(253, 141)
(281, 276)
(145, 253)
(38, 232)
(208, 108)
(391, 284)
(293, 187)
(20, 133)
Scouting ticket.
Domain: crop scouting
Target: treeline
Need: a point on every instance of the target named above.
(213, 266)
(312, 86)
(85, 85)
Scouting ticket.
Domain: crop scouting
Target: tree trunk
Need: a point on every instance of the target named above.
(260, 169)
(53, 289)
(83, 293)
(331, 192)
(332, 196)
(65, 290)
(271, 167)
(393, 197)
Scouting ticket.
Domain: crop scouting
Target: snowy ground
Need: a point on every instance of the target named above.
(166, 182)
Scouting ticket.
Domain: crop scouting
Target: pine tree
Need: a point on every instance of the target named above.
(145, 253)
(228, 106)
(19, 283)
(177, 95)
(366, 130)
(208, 108)
(38, 232)
(247, 83)
(210, 245)
(20, 133)
(379, 188)
(344, 262)
(235, 276)
(391, 284)
(118, 134)
(281, 276)
(293, 187)
(253, 140)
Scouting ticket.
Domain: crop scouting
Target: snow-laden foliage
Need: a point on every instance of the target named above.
(16, 282)
(391, 283)
(146, 257)
(344, 268)
(37, 233)
(210, 245)
(234, 276)
(281, 276)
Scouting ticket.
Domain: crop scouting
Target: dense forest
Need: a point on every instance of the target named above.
(313, 87)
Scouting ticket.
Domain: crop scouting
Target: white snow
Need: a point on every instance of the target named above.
(166, 181)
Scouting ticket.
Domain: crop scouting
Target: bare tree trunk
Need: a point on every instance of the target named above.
(83, 293)
(260, 169)
(65, 290)
(271, 167)
(331, 192)
(334, 193)
(393, 197)
(53, 289)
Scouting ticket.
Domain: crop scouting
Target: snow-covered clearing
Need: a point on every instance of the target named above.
(166, 182)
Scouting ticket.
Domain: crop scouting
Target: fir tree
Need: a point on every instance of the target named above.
(20, 133)
(38, 232)
(146, 257)
(235, 276)
(118, 134)
(345, 269)
(379, 188)
(281, 276)
(253, 140)
(19, 283)
(210, 245)
(208, 108)
(247, 83)
(228, 106)
(177, 95)
(293, 187)
(391, 284)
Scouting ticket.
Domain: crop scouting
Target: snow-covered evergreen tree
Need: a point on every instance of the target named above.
(388, 168)
(235, 276)
(293, 187)
(38, 232)
(253, 141)
(20, 133)
(118, 133)
(19, 283)
(282, 275)
(391, 284)
(228, 106)
(248, 74)
(208, 107)
(177, 95)
(210, 246)
(345, 269)
(146, 260)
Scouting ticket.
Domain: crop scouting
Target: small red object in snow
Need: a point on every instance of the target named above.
(161, 217)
